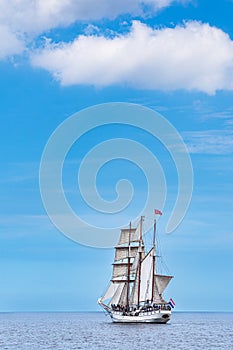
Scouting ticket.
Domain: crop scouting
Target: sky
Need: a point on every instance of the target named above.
(59, 57)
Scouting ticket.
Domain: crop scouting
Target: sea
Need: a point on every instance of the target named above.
(94, 330)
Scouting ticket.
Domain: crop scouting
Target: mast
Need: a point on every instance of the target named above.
(128, 273)
(153, 264)
(140, 260)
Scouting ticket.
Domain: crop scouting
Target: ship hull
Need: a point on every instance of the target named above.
(152, 317)
(139, 316)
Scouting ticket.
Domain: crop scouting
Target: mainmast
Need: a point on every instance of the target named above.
(128, 272)
(156, 212)
(140, 260)
(154, 261)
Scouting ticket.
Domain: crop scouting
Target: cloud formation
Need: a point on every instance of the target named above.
(33, 17)
(10, 44)
(39, 15)
(193, 56)
(27, 19)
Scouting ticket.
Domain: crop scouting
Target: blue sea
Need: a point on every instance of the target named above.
(66, 331)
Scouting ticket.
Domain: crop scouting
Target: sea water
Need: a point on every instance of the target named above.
(66, 331)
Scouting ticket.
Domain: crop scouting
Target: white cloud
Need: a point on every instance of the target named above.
(27, 19)
(38, 16)
(192, 56)
(10, 44)
(209, 142)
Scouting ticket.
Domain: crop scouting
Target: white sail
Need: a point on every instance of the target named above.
(123, 252)
(161, 282)
(133, 300)
(123, 296)
(136, 259)
(146, 276)
(129, 235)
(110, 291)
(117, 295)
(120, 270)
(135, 264)
(146, 280)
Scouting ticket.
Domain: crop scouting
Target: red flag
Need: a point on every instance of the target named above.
(158, 212)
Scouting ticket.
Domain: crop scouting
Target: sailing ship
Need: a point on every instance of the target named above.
(135, 290)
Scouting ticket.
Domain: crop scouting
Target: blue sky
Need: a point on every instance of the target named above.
(58, 57)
